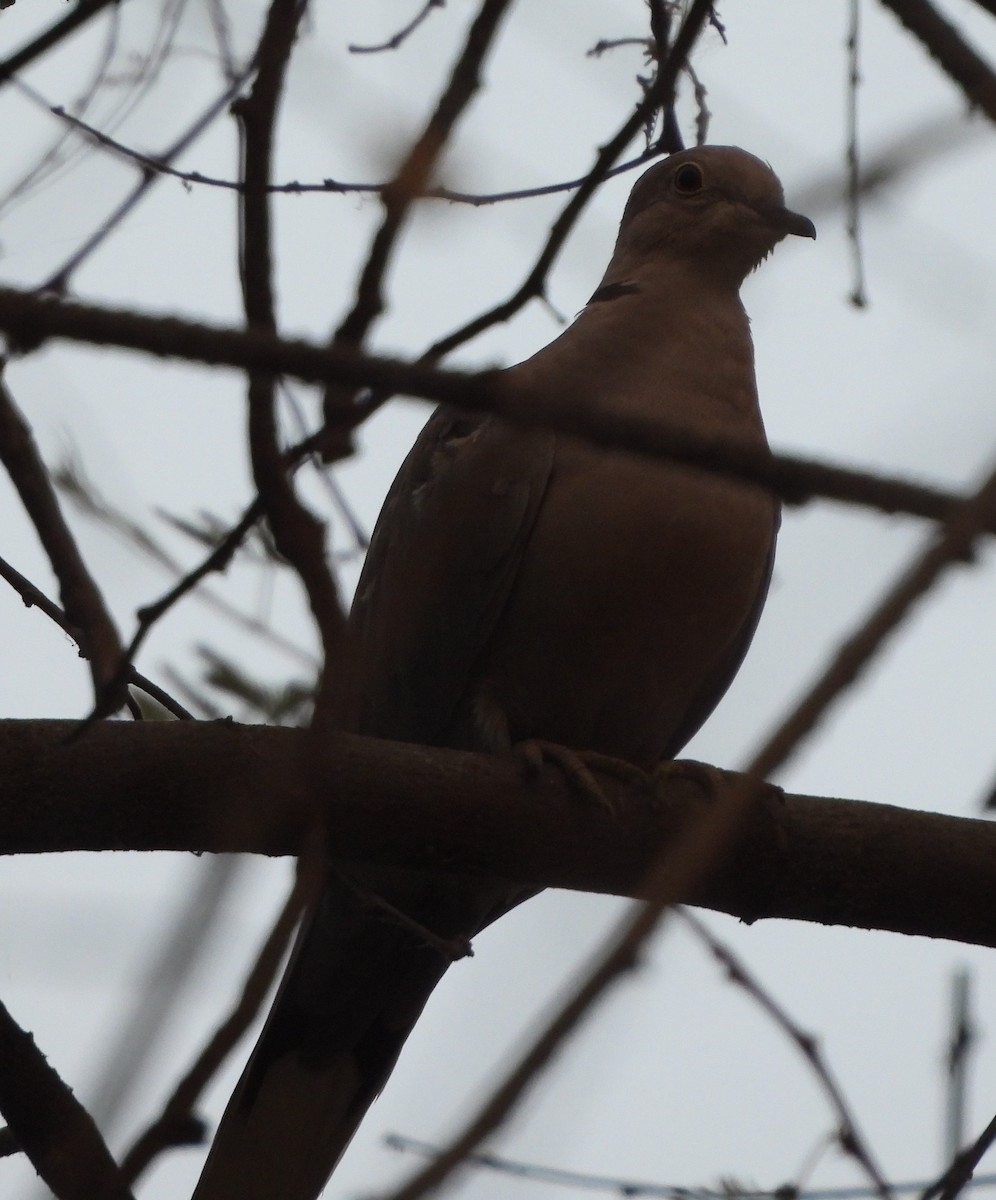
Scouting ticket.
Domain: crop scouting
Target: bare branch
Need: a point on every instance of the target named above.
(176, 1124)
(221, 787)
(82, 601)
(81, 490)
(410, 181)
(34, 597)
(217, 560)
(83, 11)
(298, 534)
(151, 172)
(966, 68)
(397, 198)
(31, 319)
(963, 1167)
(534, 284)
(50, 1124)
(849, 1137)
(858, 295)
(404, 32)
(951, 544)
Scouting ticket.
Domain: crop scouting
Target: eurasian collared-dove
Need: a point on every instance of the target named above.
(523, 585)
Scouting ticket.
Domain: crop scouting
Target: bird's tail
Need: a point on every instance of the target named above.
(364, 966)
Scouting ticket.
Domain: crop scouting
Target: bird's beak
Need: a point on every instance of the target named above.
(786, 221)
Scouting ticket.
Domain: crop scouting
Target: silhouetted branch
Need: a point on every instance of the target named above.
(51, 1126)
(957, 59)
(34, 597)
(851, 1141)
(31, 319)
(299, 535)
(177, 1124)
(630, 1187)
(960, 1172)
(83, 11)
(393, 42)
(223, 542)
(82, 601)
(535, 282)
(152, 170)
(219, 787)
(409, 183)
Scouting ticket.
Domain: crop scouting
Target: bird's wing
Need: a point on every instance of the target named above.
(442, 559)
(441, 563)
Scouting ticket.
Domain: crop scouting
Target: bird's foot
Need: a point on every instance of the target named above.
(712, 781)
(709, 779)
(579, 766)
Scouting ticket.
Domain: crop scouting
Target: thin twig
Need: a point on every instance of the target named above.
(175, 1121)
(958, 1175)
(397, 198)
(148, 616)
(961, 1046)
(848, 1135)
(858, 296)
(162, 165)
(628, 1187)
(393, 42)
(911, 149)
(58, 282)
(217, 560)
(670, 139)
(63, 149)
(84, 606)
(34, 597)
(81, 491)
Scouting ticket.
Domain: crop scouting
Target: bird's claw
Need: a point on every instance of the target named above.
(578, 765)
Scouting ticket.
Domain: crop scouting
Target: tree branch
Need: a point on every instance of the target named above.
(82, 601)
(218, 786)
(50, 1124)
(953, 54)
(31, 319)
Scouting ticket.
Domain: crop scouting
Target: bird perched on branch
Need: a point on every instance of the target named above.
(523, 586)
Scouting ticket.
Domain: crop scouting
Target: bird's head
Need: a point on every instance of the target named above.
(718, 206)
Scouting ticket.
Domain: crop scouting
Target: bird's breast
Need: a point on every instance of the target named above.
(635, 598)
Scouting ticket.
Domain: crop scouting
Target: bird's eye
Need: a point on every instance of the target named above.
(688, 179)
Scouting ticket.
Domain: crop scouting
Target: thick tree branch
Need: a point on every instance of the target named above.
(224, 787)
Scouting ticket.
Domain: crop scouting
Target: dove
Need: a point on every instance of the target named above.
(525, 587)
